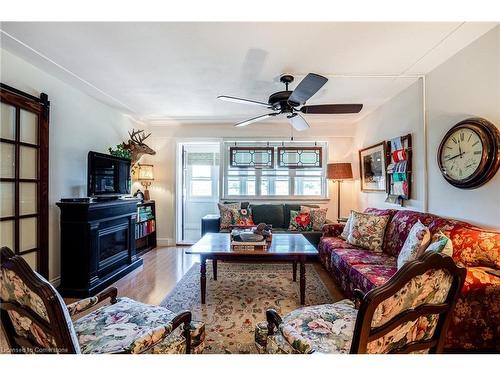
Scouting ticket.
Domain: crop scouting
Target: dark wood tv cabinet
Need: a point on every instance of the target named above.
(97, 244)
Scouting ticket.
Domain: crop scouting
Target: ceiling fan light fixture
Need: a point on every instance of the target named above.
(287, 102)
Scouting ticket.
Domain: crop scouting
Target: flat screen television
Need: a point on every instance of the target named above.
(108, 176)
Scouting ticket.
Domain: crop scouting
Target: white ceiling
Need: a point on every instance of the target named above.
(163, 72)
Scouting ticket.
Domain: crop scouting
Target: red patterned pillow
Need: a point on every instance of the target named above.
(300, 221)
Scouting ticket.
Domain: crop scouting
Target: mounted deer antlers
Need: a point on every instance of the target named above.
(133, 136)
(136, 145)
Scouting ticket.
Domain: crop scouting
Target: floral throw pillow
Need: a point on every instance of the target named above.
(300, 221)
(318, 216)
(242, 216)
(367, 231)
(441, 244)
(226, 217)
(415, 244)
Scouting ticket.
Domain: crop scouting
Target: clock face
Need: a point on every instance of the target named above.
(461, 154)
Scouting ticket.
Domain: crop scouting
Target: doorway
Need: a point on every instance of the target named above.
(198, 166)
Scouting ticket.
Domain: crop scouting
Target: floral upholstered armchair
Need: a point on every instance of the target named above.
(408, 314)
(35, 319)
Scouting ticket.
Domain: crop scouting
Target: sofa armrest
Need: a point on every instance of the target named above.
(210, 224)
(332, 230)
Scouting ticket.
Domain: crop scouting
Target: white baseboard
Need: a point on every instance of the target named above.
(165, 241)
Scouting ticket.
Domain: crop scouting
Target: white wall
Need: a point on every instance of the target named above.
(467, 85)
(78, 124)
(164, 141)
(400, 116)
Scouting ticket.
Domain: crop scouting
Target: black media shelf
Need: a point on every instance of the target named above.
(145, 227)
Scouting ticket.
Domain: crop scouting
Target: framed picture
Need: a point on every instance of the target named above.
(372, 167)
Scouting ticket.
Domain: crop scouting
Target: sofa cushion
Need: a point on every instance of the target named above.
(327, 245)
(471, 246)
(242, 204)
(271, 214)
(367, 230)
(440, 243)
(287, 207)
(242, 216)
(300, 221)
(345, 258)
(226, 216)
(415, 244)
(399, 227)
(368, 276)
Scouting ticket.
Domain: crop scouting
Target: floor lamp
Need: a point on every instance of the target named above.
(338, 172)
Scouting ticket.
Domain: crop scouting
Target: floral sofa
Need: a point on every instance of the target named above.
(475, 322)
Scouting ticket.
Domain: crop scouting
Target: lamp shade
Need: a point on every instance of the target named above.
(145, 172)
(338, 171)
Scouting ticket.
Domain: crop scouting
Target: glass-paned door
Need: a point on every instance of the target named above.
(200, 163)
(24, 175)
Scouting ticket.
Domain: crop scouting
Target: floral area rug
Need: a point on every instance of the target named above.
(238, 299)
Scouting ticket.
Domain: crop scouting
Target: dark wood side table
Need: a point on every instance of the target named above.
(285, 247)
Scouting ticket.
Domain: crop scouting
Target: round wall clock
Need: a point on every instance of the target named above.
(468, 155)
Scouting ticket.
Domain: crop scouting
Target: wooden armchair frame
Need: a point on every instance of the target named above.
(58, 327)
(363, 331)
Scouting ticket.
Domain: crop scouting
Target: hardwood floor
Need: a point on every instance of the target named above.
(163, 268)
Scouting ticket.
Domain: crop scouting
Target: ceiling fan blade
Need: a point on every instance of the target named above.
(243, 101)
(332, 108)
(298, 122)
(309, 86)
(255, 119)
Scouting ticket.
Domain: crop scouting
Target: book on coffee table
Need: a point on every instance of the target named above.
(248, 246)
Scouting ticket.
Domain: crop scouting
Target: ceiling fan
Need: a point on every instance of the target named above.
(290, 103)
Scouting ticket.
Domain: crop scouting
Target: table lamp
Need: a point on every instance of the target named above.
(146, 178)
(338, 172)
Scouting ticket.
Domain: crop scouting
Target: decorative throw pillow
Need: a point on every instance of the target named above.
(300, 221)
(415, 244)
(318, 216)
(347, 227)
(367, 231)
(440, 244)
(242, 216)
(226, 217)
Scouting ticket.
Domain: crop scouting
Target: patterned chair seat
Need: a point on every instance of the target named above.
(314, 329)
(128, 325)
(408, 314)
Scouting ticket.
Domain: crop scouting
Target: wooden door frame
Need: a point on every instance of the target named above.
(41, 107)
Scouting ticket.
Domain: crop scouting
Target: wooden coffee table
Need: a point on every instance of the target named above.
(292, 248)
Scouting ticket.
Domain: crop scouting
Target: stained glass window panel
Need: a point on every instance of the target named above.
(251, 157)
(300, 157)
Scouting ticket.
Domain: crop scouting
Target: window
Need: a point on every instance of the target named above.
(298, 172)
(200, 169)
